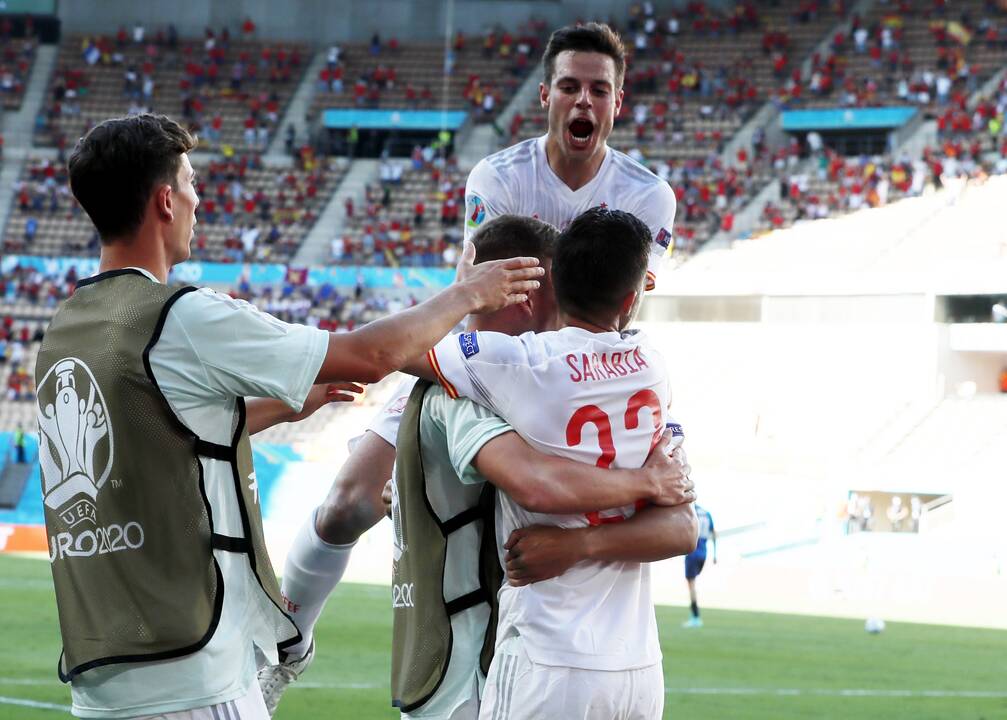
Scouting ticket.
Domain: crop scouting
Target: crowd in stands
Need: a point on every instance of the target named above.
(28, 298)
(694, 74)
(247, 212)
(325, 307)
(16, 57)
(477, 73)
(23, 294)
(229, 90)
(930, 54)
(835, 184)
(412, 218)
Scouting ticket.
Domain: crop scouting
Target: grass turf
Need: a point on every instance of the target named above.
(740, 665)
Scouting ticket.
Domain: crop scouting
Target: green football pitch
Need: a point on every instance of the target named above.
(739, 666)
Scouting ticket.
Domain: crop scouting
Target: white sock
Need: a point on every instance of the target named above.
(313, 568)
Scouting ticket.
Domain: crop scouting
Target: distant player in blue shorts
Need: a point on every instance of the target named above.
(695, 561)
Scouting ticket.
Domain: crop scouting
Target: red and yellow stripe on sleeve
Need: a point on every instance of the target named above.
(436, 367)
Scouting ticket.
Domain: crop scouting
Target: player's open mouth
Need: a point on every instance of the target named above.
(581, 131)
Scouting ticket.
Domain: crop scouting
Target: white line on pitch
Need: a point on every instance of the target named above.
(29, 681)
(778, 692)
(839, 692)
(33, 704)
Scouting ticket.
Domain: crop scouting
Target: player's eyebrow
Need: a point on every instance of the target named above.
(572, 79)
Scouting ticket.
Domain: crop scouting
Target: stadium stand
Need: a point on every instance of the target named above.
(231, 91)
(247, 211)
(412, 218)
(16, 59)
(482, 73)
(929, 54)
(692, 79)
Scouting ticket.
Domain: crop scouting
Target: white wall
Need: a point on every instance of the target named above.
(958, 370)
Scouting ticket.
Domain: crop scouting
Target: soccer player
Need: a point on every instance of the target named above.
(583, 644)
(163, 585)
(695, 561)
(443, 513)
(558, 176)
(553, 178)
(316, 562)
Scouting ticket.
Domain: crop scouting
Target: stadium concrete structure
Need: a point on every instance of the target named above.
(809, 364)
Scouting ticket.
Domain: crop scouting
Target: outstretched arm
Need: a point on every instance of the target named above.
(550, 484)
(385, 345)
(541, 552)
(264, 413)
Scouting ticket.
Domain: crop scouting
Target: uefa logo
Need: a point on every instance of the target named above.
(75, 440)
(75, 452)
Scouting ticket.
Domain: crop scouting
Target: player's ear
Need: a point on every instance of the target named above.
(628, 301)
(527, 308)
(164, 203)
(619, 95)
(543, 94)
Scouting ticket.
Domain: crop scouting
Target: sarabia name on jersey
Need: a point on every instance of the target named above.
(596, 366)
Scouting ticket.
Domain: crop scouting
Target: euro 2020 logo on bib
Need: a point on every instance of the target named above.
(75, 453)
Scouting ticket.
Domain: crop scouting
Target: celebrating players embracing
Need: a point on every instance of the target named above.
(583, 644)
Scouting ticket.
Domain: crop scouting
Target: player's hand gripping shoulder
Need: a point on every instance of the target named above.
(669, 474)
(495, 284)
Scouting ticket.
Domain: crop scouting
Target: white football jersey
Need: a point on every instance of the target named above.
(519, 181)
(597, 398)
(386, 423)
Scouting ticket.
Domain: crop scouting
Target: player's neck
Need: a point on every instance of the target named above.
(593, 325)
(135, 253)
(575, 173)
(494, 322)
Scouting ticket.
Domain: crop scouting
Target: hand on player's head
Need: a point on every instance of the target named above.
(495, 284)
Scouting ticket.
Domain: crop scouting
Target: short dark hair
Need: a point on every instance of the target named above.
(592, 37)
(510, 236)
(116, 166)
(600, 257)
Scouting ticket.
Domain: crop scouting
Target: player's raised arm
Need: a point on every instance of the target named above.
(385, 345)
(550, 484)
(541, 552)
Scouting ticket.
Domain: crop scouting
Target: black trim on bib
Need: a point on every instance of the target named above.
(107, 275)
(230, 544)
(153, 657)
(466, 601)
(215, 451)
(483, 511)
(218, 603)
(461, 520)
(246, 525)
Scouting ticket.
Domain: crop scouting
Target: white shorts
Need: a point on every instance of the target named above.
(249, 706)
(519, 689)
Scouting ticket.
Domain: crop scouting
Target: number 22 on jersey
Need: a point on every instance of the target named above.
(644, 399)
